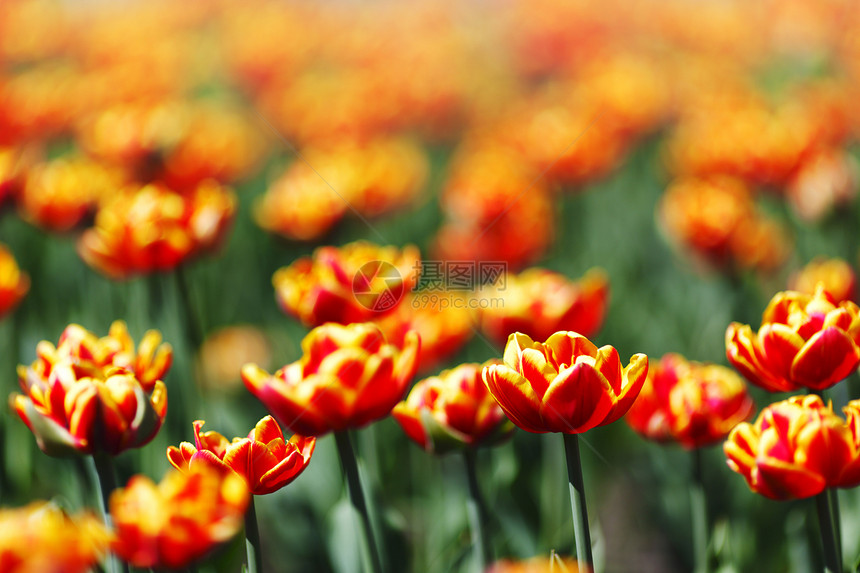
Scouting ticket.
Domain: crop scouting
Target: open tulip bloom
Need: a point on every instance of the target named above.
(347, 377)
(805, 341)
(566, 385)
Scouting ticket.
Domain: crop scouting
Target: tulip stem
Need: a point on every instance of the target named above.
(103, 476)
(699, 511)
(370, 556)
(577, 502)
(477, 513)
(193, 328)
(832, 559)
(252, 539)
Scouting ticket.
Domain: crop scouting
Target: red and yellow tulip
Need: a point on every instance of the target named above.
(691, 403)
(354, 283)
(178, 521)
(565, 384)
(41, 537)
(90, 394)
(805, 341)
(263, 459)
(347, 377)
(836, 276)
(797, 448)
(452, 410)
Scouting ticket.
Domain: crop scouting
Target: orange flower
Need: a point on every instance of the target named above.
(300, 205)
(797, 448)
(452, 410)
(92, 395)
(59, 194)
(178, 521)
(565, 384)
(155, 229)
(692, 403)
(835, 274)
(554, 564)
(264, 460)
(539, 302)
(226, 350)
(347, 378)
(805, 341)
(353, 283)
(718, 221)
(41, 537)
(14, 283)
(822, 182)
(443, 320)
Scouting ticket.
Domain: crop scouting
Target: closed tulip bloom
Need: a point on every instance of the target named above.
(90, 394)
(691, 403)
(347, 377)
(797, 448)
(539, 302)
(263, 459)
(14, 283)
(553, 564)
(354, 283)
(565, 384)
(41, 538)
(178, 521)
(452, 410)
(805, 341)
(835, 274)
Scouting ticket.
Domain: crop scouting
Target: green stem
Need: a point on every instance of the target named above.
(477, 513)
(252, 539)
(832, 559)
(104, 478)
(577, 502)
(833, 499)
(193, 327)
(370, 556)
(699, 511)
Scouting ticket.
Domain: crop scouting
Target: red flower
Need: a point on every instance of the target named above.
(805, 341)
(797, 448)
(565, 384)
(691, 403)
(451, 410)
(264, 460)
(347, 378)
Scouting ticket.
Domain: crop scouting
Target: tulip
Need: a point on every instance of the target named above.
(691, 403)
(552, 564)
(354, 283)
(347, 377)
(178, 521)
(94, 395)
(14, 283)
(565, 384)
(153, 229)
(539, 302)
(263, 459)
(41, 537)
(835, 274)
(805, 341)
(452, 410)
(796, 448)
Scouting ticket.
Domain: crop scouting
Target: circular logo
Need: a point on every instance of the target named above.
(377, 286)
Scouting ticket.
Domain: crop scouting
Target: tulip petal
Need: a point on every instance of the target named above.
(741, 352)
(828, 357)
(577, 400)
(777, 479)
(515, 396)
(777, 347)
(633, 378)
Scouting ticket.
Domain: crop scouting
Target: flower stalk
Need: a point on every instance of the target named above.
(577, 502)
(477, 513)
(370, 555)
(103, 476)
(699, 512)
(832, 559)
(253, 547)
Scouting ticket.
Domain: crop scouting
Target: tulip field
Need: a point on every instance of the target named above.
(431, 286)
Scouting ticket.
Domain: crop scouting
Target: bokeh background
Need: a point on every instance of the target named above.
(698, 152)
